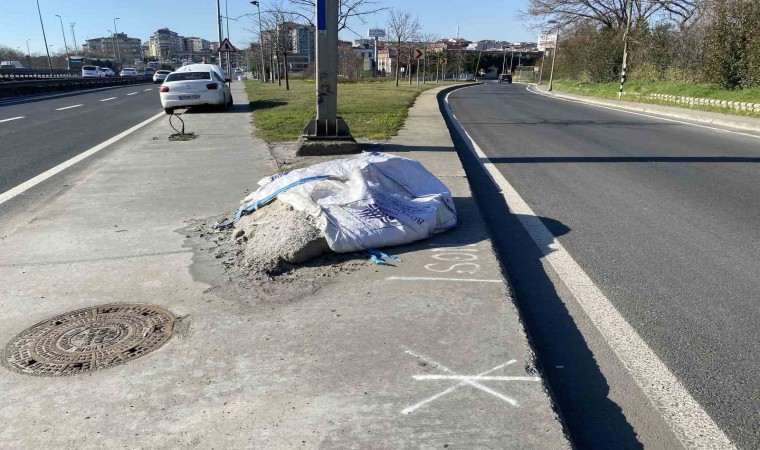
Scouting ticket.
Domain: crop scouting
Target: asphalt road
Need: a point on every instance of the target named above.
(664, 218)
(38, 134)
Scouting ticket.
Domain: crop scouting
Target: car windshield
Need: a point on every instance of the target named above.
(89, 68)
(185, 76)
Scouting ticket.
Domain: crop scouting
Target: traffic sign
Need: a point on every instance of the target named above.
(444, 60)
(227, 47)
(419, 53)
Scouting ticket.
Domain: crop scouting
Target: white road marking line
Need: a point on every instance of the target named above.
(132, 93)
(106, 99)
(528, 88)
(468, 380)
(690, 423)
(12, 118)
(69, 107)
(7, 195)
(477, 280)
(149, 89)
(474, 377)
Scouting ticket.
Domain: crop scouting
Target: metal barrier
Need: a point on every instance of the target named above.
(21, 74)
(31, 87)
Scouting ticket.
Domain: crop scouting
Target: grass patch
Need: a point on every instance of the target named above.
(373, 110)
(636, 91)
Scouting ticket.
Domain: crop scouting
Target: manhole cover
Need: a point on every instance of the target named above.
(89, 339)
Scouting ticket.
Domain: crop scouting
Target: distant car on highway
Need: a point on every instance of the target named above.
(128, 72)
(10, 65)
(160, 76)
(149, 71)
(91, 72)
(194, 85)
(107, 72)
(505, 78)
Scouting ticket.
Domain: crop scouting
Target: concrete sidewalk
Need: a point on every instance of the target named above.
(376, 357)
(693, 115)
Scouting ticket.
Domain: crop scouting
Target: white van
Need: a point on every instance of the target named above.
(91, 72)
(8, 65)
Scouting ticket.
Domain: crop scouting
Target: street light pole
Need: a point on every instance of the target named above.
(504, 62)
(73, 24)
(47, 49)
(116, 39)
(28, 55)
(262, 75)
(219, 29)
(65, 45)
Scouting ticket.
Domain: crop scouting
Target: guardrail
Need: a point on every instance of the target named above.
(21, 74)
(31, 87)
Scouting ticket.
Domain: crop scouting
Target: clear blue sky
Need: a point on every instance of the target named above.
(482, 19)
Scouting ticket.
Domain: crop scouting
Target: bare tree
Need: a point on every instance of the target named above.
(402, 27)
(284, 24)
(349, 9)
(610, 13)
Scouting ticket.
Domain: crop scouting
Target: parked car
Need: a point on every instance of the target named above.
(149, 71)
(128, 72)
(194, 85)
(160, 76)
(91, 72)
(505, 78)
(107, 72)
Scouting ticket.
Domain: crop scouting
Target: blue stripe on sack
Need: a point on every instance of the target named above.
(258, 204)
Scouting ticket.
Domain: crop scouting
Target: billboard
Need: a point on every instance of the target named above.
(375, 32)
(547, 41)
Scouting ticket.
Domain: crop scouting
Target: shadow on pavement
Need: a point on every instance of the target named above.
(578, 386)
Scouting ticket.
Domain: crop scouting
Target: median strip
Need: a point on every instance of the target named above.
(69, 107)
(106, 99)
(12, 118)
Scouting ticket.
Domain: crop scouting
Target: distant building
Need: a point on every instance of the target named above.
(386, 60)
(165, 44)
(128, 48)
(197, 45)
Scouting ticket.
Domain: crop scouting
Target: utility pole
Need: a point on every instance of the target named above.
(554, 57)
(459, 59)
(625, 49)
(47, 49)
(65, 45)
(116, 39)
(73, 24)
(219, 28)
(504, 62)
(262, 75)
(327, 133)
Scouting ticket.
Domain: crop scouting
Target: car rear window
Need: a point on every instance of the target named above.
(164, 72)
(89, 68)
(185, 76)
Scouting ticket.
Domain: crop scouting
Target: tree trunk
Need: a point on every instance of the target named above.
(398, 60)
(409, 66)
(287, 80)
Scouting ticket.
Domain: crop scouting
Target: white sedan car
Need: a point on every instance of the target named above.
(128, 72)
(194, 85)
(91, 72)
(160, 76)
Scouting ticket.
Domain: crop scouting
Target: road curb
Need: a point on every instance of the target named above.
(651, 110)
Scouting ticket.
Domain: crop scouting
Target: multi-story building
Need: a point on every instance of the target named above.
(386, 60)
(197, 45)
(304, 42)
(165, 44)
(129, 49)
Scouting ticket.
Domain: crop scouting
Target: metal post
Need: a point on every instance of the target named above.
(504, 62)
(262, 75)
(418, 74)
(76, 49)
(512, 60)
(116, 39)
(554, 56)
(625, 50)
(229, 62)
(65, 45)
(541, 72)
(47, 48)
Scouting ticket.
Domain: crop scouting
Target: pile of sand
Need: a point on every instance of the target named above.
(277, 234)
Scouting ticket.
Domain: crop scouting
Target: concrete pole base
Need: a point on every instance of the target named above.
(327, 137)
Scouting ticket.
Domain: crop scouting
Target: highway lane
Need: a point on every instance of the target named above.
(37, 135)
(662, 216)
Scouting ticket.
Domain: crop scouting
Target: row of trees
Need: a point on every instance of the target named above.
(715, 41)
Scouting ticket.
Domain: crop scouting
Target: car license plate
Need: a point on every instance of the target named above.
(189, 97)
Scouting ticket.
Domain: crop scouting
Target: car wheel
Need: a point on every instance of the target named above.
(169, 110)
(229, 104)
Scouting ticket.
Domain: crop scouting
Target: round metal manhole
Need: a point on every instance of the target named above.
(89, 339)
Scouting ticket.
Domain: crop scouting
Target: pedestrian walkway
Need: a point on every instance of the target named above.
(429, 353)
